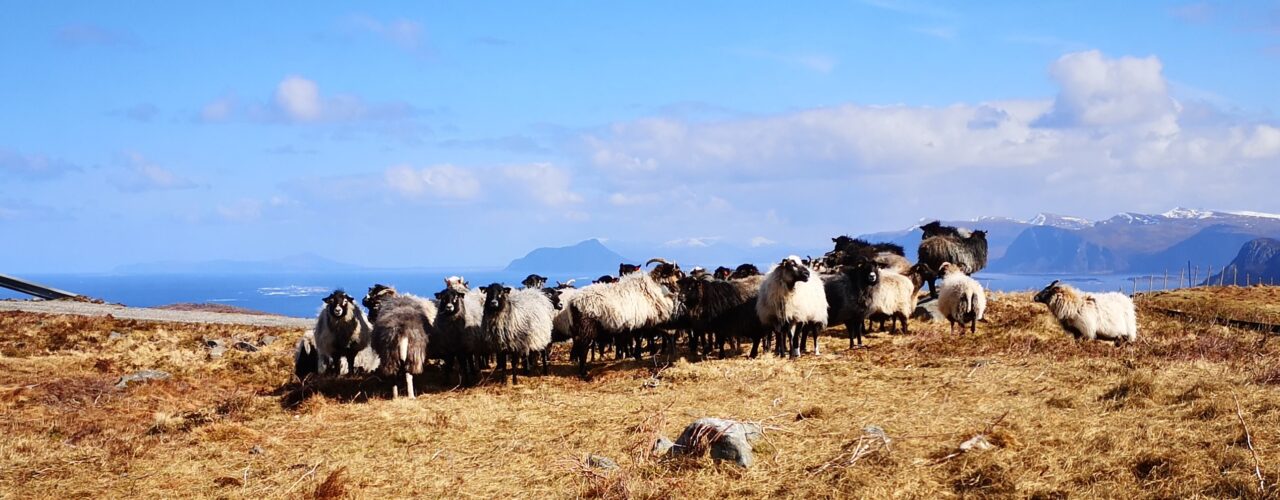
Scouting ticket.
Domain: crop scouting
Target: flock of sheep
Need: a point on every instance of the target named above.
(637, 312)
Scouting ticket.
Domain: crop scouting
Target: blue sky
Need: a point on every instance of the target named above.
(437, 134)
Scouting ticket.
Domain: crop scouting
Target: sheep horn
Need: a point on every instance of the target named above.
(1055, 283)
(656, 259)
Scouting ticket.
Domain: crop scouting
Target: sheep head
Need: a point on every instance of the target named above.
(1045, 295)
(625, 269)
(339, 305)
(745, 271)
(791, 270)
(450, 301)
(534, 281)
(495, 297)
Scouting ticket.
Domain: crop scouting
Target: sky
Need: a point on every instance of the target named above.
(465, 134)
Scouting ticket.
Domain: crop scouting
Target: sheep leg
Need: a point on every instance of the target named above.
(408, 384)
(395, 391)
(546, 361)
(579, 353)
(804, 337)
(933, 293)
(797, 340)
(817, 347)
(903, 319)
(973, 324)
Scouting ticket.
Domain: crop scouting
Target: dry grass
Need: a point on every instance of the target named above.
(1153, 419)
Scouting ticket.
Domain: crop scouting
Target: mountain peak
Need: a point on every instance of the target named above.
(1059, 221)
(586, 256)
(1187, 213)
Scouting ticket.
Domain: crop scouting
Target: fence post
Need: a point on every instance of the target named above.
(1180, 272)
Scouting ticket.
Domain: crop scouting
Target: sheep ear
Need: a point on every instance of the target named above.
(1055, 283)
(484, 289)
(506, 289)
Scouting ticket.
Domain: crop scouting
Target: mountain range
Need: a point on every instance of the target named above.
(1126, 242)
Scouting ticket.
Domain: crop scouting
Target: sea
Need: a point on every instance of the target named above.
(299, 295)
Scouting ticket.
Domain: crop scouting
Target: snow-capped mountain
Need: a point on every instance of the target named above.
(1059, 221)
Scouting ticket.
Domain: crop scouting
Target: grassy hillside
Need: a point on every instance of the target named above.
(1154, 419)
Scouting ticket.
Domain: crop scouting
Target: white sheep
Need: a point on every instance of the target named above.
(961, 298)
(340, 334)
(517, 323)
(1103, 316)
(792, 303)
(893, 297)
(637, 301)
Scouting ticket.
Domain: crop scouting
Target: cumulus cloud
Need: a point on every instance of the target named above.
(1111, 132)
(404, 33)
(299, 100)
(542, 182)
(439, 182)
(140, 174)
(32, 166)
(761, 241)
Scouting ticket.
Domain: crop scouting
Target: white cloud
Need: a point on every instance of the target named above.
(299, 98)
(140, 174)
(243, 210)
(812, 61)
(404, 33)
(1096, 91)
(761, 241)
(439, 182)
(543, 182)
(33, 166)
(1111, 135)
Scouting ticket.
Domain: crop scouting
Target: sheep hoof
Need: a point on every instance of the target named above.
(795, 352)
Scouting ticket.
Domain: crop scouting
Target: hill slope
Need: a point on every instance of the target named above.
(589, 257)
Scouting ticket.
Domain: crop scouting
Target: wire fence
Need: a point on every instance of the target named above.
(1194, 276)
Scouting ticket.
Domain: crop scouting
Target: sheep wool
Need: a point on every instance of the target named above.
(961, 299)
(1102, 316)
(523, 326)
(805, 302)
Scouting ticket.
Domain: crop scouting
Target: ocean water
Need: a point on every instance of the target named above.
(300, 295)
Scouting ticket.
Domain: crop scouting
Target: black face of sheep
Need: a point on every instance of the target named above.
(534, 281)
(691, 291)
(841, 242)
(450, 301)
(554, 295)
(495, 297)
(665, 271)
(625, 269)
(892, 248)
(606, 279)
(376, 293)
(698, 272)
(339, 304)
(936, 228)
(722, 273)
(792, 272)
(979, 234)
(745, 271)
(1048, 293)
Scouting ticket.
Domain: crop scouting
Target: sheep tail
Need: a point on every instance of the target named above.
(404, 348)
(966, 303)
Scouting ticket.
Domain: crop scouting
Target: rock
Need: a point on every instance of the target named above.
(976, 443)
(141, 376)
(115, 336)
(213, 343)
(217, 352)
(267, 340)
(662, 445)
(245, 346)
(928, 311)
(256, 450)
(727, 440)
(601, 462)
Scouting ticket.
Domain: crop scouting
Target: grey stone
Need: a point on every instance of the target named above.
(217, 351)
(245, 346)
(976, 443)
(115, 336)
(267, 340)
(727, 440)
(928, 311)
(141, 376)
(662, 445)
(601, 462)
(213, 343)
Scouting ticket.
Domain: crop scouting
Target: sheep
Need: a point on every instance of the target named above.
(1106, 316)
(516, 323)
(962, 299)
(534, 281)
(721, 308)
(458, 323)
(792, 303)
(969, 251)
(636, 302)
(400, 336)
(376, 293)
(722, 273)
(625, 269)
(745, 271)
(605, 278)
(305, 357)
(341, 332)
(848, 294)
(892, 297)
(699, 272)
(936, 228)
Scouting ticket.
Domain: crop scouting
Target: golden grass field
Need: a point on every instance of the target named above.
(1160, 418)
